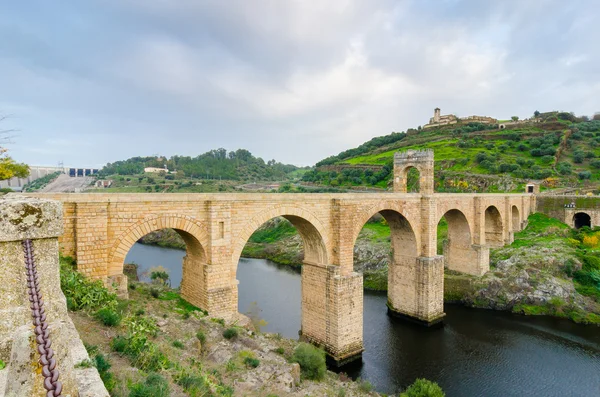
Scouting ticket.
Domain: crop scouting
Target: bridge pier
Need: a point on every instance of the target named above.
(416, 290)
(332, 311)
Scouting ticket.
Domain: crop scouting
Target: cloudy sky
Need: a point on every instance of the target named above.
(90, 82)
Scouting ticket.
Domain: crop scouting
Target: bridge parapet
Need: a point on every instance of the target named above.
(40, 222)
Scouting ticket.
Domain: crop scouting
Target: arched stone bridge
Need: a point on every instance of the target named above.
(101, 228)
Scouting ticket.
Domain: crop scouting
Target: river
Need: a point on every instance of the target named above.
(476, 353)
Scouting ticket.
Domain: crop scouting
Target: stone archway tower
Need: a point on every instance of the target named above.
(422, 160)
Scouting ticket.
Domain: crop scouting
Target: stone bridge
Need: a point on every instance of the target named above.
(99, 230)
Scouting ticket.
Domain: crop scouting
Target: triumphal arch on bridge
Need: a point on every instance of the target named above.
(99, 230)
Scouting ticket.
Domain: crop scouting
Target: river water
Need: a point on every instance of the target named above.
(476, 353)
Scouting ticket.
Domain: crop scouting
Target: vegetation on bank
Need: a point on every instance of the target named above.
(549, 269)
(165, 346)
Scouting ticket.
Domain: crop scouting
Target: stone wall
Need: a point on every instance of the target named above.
(40, 221)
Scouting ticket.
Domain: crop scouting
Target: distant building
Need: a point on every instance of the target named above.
(448, 119)
(104, 183)
(156, 169)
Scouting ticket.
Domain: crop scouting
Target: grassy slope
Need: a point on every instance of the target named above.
(452, 159)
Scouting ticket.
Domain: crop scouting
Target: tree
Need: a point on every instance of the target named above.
(515, 118)
(596, 116)
(8, 167)
(536, 114)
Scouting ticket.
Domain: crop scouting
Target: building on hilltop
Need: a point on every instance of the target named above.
(438, 120)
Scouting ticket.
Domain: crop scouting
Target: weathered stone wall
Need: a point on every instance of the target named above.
(40, 221)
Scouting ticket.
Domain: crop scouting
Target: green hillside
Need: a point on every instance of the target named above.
(559, 150)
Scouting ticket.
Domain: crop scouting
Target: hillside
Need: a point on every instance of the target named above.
(215, 164)
(216, 170)
(558, 149)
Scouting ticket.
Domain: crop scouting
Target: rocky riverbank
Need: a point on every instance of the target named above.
(548, 270)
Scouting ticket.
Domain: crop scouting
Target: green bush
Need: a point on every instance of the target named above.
(194, 385)
(365, 386)
(83, 294)
(119, 344)
(103, 365)
(251, 362)
(108, 317)
(201, 336)
(178, 344)
(423, 388)
(230, 333)
(311, 360)
(154, 386)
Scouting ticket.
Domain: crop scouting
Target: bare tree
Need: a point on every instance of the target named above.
(8, 167)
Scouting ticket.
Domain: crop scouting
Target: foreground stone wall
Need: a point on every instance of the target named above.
(41, 221)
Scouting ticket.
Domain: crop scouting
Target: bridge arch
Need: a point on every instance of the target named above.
(311, 230)
(581, 219)
(493, 230)
(194, 235)
(402, 270)
(516, 219)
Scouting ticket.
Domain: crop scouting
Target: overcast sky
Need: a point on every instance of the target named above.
(90, 82)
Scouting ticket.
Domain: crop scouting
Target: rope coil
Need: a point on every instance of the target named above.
(47, 359)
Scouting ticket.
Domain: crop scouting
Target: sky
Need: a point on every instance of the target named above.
(91, 82)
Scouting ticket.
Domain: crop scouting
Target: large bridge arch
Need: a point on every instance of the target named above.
(403, 270)
(193, 286)
(312, 231)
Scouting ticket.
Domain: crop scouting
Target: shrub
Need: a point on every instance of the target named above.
(251, 362)
(423, 388)
(103, 365)
(230, 333)
(311, 360)
(201, 336)
(154, 385)
(83, 294)
(118, 344)
(178, 344)
(584, 175)
(108, 317)
(365, 386)
(280, 350)
(155, 292)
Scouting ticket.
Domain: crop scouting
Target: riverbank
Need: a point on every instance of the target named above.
(548, 270)
(157, 344)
